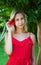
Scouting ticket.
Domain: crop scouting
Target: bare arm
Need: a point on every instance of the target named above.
(33, 49)
(8, 38)
(8, 43)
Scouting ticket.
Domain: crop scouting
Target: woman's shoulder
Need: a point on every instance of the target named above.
(32, 36)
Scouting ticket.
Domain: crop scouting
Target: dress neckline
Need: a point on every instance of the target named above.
(21, 40)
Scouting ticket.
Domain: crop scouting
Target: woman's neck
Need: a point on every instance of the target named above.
(19, 31)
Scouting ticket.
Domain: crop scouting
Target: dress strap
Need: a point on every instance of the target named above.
(29, 34)
(30, 37)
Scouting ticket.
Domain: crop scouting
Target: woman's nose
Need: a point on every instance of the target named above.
(20, 21)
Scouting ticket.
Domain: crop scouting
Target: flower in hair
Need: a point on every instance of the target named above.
(11, 22)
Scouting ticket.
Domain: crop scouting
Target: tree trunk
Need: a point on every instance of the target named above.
(39, 41)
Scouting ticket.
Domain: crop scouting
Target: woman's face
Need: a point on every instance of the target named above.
(19, 20)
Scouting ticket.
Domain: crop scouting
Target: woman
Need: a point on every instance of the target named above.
(19, 44)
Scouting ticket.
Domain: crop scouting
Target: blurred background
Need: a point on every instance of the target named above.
(32, 9)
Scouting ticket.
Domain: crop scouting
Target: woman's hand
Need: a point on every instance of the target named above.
(10, 27)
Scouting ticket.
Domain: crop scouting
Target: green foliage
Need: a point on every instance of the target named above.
(32, 9)
(3, 55)
(28, 6)
(39, 13)
(32, 17)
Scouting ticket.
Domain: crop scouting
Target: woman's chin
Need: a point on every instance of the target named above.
(21, 26)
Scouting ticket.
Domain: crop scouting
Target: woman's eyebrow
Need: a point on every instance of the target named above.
(17, 19)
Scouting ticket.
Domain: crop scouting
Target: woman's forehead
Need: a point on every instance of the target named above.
(19, 15)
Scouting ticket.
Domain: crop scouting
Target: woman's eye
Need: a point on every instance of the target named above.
(17, 19)
(22, 18)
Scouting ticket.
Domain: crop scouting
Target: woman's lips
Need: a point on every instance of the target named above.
(21, 25)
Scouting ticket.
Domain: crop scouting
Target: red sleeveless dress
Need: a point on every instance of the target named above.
(21, 52)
